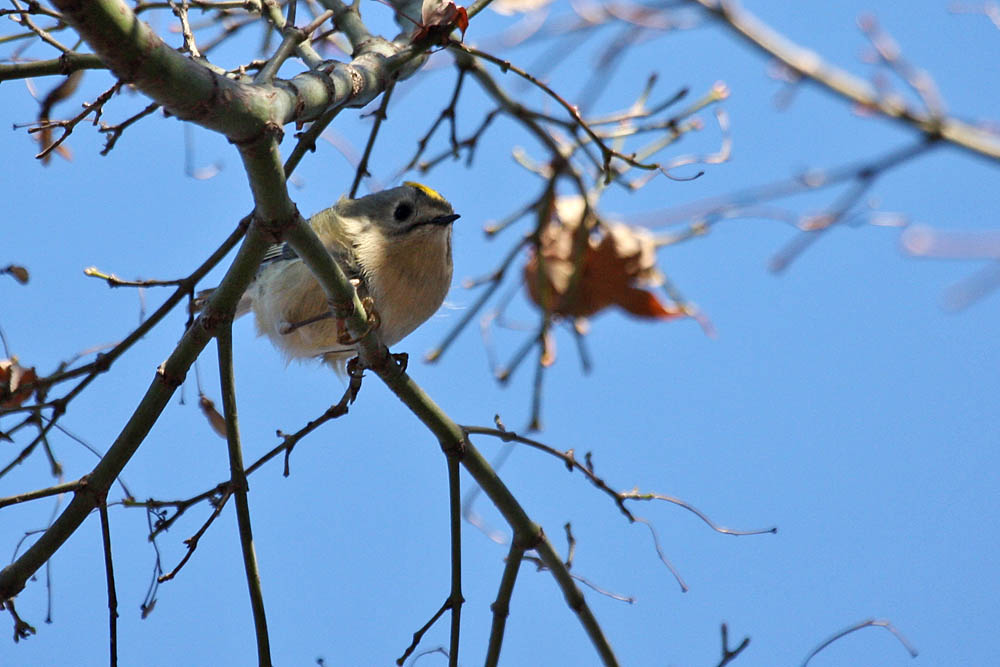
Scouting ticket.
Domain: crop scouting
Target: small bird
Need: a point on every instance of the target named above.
(394, 245)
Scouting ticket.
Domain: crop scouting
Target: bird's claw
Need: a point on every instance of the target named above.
(344, 337)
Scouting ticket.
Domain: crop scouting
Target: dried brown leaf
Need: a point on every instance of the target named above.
(13, 378)
(613, 267)
(19, 273)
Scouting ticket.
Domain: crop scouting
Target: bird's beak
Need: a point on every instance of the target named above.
(444, 219)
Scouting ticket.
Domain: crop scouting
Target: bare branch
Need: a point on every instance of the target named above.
(808, 64)
(869, 623)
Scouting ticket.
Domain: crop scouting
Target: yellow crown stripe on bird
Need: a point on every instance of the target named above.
(430, 192)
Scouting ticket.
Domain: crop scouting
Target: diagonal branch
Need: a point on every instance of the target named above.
(452, 438)
(808, 64)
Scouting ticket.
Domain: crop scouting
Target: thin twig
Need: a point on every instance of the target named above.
(380, 115)
(67, 63)
(607, 153)
(109, 571)
(115, 281)
(42, 493)
(419, 634)
(224, 337)
(455, 595)
(730, 654)
(25, 18)
(449, 113)
(586, 582)
(192, 542)
(869, 623)
(96, 107)
(114, 132)
(501, 606)
(180, 11)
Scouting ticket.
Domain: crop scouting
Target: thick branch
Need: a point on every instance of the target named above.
(241, 111)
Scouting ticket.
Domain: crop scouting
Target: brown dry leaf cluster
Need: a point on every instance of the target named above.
(13, 378)
(616, 262)
(440, 17)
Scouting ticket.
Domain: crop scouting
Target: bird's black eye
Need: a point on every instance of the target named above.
(402, 212)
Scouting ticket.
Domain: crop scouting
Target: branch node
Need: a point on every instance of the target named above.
(167, 379)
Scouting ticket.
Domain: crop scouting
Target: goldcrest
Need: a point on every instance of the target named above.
(394, 245)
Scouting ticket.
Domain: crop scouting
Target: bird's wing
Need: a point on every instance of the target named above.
(278, 252)
(344, 257)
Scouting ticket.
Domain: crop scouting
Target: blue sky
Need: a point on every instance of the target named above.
(839, 401)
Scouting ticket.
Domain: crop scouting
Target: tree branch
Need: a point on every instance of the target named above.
(808, 64)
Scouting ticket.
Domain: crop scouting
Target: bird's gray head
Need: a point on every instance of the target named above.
(401, 211)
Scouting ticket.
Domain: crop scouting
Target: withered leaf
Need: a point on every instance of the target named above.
(612, 267)
(13, 381)
(19, 273)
